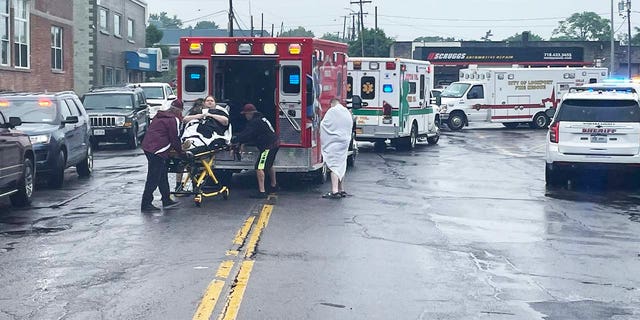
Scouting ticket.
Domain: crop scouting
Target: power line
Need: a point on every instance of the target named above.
(205, 16)
(479, 20)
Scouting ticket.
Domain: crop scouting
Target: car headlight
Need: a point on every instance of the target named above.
(43, 138)
(120, 121)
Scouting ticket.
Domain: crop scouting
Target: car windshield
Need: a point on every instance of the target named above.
(580, 110)
(455, 90)
(108, 101)
(153, 92)
(30, 111)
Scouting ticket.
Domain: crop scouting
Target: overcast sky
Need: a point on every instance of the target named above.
(401, 19)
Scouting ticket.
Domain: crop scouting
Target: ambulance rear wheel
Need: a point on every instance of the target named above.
(456, 121)
(408, 143)
(540, 121)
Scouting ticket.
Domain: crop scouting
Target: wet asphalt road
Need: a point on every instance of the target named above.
(462, 230)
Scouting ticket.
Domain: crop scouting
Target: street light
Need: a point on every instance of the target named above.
(622, 6)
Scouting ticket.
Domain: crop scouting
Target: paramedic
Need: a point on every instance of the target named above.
(260, 132)
(161, 138)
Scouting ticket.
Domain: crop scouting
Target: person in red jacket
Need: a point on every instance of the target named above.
(163, 135)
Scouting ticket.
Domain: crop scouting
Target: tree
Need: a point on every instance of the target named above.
(518, 37)
(165, 21)
(154, 35)
(434, 39)
(206, 25)
(585, 26)
(297, 32)
(333, 37)
(376, 44)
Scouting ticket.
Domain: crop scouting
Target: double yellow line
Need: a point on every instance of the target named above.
(238, 285)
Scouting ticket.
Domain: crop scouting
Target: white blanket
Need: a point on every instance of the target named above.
(335, 134)
(196, 139)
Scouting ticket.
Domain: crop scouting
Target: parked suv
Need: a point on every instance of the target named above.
(58, 127)
(159, 96)
(595, 127)
(117, 115)
(17, 170)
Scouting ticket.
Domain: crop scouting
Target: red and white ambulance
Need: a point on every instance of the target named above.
(510, 95)
(290, 81)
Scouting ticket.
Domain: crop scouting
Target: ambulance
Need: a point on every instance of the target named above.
(290, 81)
(510, 96)
(395, 98)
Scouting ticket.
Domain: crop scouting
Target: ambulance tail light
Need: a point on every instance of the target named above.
(390, 65)
(195, 48)
(554, 132)
(357, 65)
(295, 49)
(386, 113)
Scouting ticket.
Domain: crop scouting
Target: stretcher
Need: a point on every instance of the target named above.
(199, 179)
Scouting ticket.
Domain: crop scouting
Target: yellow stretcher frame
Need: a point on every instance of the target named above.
(197, 169)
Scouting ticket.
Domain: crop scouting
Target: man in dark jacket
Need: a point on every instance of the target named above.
(260, 132)
(162, 137)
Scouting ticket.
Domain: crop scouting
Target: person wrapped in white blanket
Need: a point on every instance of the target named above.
(206, 126)
(335, 132)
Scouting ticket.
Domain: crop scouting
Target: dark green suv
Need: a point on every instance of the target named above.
(117, 115)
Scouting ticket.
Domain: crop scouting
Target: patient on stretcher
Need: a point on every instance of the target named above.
(206, 131)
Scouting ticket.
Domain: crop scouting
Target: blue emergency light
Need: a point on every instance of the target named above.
(387, 88)
(294, 79)
(195, 76)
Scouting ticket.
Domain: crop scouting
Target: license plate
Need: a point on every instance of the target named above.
(599, 139)
(358, 130)
(98, 132)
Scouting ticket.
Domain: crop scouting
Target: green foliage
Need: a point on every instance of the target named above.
(376, 44)
(333, 37)
(585, 26)
(165, 21)
(518, 37)
(153, 35)
(298, 32)
(206, 25)
(434, 39)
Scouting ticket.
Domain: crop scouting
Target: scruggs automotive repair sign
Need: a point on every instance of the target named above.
(461, 55)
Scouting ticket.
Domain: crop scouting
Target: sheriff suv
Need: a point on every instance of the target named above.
(17, 168)
(58, 127)
(596, 127)
(117, 115)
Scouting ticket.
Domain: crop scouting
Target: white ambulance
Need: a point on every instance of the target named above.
(510, 96)
(394, 95)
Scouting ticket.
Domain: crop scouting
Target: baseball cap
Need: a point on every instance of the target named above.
(248, 108)
(177, 103)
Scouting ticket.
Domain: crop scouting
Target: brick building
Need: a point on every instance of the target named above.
(36, 45)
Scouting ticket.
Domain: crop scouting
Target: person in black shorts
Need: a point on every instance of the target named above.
(260, 132)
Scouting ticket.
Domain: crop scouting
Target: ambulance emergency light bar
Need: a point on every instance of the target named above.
(221, 48)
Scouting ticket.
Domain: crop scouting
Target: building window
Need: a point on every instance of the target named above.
(108, 76)
(104, 25)
(21, 34)
(4, 33)
(130, 29)
(56, 48)
(116, 25)
(118, 76)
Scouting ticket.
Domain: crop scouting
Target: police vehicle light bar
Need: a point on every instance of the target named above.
(603, 89)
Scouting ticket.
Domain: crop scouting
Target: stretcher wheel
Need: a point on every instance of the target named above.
(225, 196)
(197, 200)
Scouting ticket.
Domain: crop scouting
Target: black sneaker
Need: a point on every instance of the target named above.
(331, 195)
(170, 204)
(149, 208)
(259, 195)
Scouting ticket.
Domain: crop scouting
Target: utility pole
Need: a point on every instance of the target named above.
(612, 58)
(376, 18)
(230, 18)
(625, 5)
(344, 28)
(262, 25)
(272, 26)
(252, 26)
(361, 2)
(353, 27)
